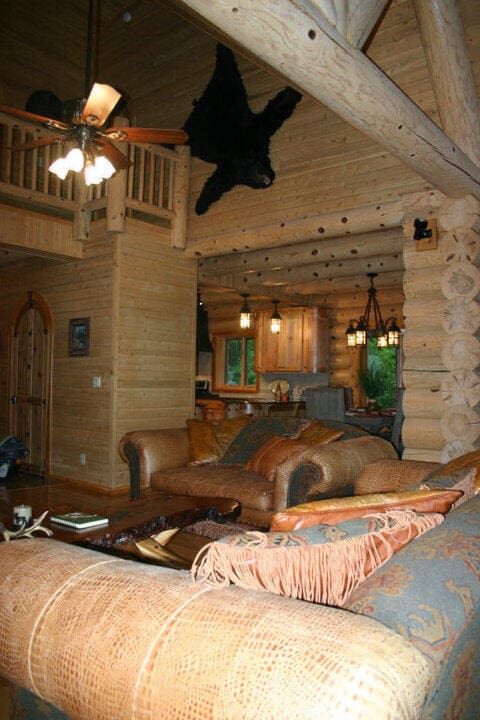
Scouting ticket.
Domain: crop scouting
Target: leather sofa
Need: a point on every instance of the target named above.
(103, 638)
(158, 460)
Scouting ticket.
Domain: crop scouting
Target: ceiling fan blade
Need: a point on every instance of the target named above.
(116, 157)
(37, 143)
(25, 115)
(100, 103)
(147, 135)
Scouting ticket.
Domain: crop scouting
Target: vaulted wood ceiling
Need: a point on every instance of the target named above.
(327, 161)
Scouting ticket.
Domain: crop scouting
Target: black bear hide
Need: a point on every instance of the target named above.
(223, 130)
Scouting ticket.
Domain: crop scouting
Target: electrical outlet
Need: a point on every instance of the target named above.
(97, 381)
(83, 459)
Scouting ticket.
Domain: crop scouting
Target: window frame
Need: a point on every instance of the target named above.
(218, 362)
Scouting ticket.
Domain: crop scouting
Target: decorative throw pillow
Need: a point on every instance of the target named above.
(208, 440)
(336, 510)
(321, 564)
(228, 429)
(471, 459)
(269, 456)
(257, 432)
(462, 479)
(204, 447)
(319, 434)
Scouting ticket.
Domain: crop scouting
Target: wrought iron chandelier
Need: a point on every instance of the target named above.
(371, 324)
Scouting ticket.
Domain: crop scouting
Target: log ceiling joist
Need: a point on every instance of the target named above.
(321, 63)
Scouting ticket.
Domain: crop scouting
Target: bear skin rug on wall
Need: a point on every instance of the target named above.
(223, 130)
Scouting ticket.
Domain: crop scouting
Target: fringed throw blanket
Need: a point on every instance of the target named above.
(321, 564)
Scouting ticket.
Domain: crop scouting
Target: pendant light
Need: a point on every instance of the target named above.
(275, 319)
(370, 324)
(245, 313)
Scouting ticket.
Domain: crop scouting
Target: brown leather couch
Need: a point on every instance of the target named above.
(158, 459)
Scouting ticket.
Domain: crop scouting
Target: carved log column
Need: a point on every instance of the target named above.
(442, 317)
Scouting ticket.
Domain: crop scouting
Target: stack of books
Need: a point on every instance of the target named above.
(79, 520)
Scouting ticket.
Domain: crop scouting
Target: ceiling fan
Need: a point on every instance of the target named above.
(94, 147)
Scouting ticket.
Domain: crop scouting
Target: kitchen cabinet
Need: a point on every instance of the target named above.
(300, 346)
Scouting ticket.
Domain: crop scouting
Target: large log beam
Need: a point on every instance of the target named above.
(326, 67)
(353, 19)
(356, 246)
(337, 224)
(449, 65)
(312, 273)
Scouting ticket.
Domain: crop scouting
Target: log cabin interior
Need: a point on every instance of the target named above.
(386, 133)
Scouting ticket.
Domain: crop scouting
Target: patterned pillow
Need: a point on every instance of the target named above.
(269, 456)
(332, 512)
(256, 434)
(430, 594)
(471, 459)
(462, 479)
(321, 564)
(318, 434)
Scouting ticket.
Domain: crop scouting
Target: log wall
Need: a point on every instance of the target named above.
(442, 316)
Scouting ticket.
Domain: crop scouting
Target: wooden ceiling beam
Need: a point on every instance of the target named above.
(353, 19)
(337, 224)
(312, 273)
(328, 69)
(450, 70)
(326, 286)
(366, 245)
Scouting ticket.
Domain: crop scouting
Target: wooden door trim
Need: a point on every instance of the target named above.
(37, 301)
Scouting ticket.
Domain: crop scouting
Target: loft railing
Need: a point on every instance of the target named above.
(153, 189)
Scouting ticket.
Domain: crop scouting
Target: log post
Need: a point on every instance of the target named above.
(81, 216)
(117, 190)
(181, 182)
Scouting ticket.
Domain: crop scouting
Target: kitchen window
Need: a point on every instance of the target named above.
(234, 363)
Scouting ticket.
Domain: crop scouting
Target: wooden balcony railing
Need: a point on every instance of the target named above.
(153, 189)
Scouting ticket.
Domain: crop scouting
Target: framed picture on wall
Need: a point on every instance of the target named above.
(79, 337)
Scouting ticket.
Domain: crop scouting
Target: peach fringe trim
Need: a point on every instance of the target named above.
(324, 573)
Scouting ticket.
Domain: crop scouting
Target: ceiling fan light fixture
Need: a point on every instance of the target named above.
(59, 168)
(104, 166)
(75, 160)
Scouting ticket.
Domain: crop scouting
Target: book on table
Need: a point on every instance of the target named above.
(79, 520)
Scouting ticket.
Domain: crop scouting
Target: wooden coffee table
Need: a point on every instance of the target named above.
(142, 518)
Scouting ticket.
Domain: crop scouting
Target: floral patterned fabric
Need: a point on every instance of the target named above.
(430, 594)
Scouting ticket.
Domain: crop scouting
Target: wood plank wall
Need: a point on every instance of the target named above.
(156, 318)
(140, 296)
(81, 416)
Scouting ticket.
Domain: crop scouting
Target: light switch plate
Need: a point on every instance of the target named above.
(97, 381)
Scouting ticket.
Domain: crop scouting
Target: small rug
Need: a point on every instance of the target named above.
(215, 531)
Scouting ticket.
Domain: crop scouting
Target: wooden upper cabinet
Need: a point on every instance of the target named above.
(300, 346)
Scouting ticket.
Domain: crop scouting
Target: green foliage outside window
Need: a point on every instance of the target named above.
(239, 361)
(379, 380)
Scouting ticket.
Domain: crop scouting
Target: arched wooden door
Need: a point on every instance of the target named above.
(31, 348)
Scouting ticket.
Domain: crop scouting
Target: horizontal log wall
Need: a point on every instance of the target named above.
(441, 350)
